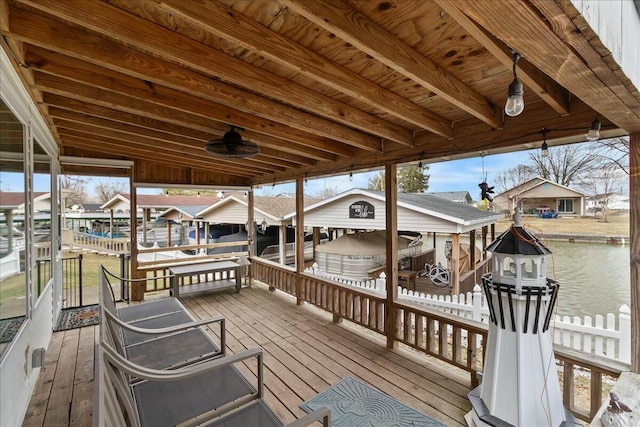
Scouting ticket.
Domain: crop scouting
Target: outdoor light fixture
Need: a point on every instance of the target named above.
(263, 226)
(420, 165)
(594, 130)
(232, 145)
(544, 150)
(515, 102)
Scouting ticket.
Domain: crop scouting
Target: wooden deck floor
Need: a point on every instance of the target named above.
(305, 352)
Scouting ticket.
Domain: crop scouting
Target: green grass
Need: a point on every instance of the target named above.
(13, 287)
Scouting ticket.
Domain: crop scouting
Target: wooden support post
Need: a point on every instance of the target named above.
(634, 250)
(455, 265)
(111, 224)
(197, 227)
(251, 230)
(472, 250)
(282, 248)
(493, 232)
(137, 288)
(485, 230)
(391, 212)
(316, 240)
(169, 233)
(299, 239)
(146, 216)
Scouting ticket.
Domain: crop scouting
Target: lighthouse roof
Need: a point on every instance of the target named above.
(518, 241)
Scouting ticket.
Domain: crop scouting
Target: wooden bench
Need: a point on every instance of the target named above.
(217, 275)
(164, 382)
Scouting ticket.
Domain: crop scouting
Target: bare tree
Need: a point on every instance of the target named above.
(514, 177)
(74, 189)
(325, 193)
(602, 183)
(615, 152)
(565, 164)
(107, 190)
(376, 182)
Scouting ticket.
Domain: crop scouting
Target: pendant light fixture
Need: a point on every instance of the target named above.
(544, 150)
(594, 130)
(232, 145)
(515, 102)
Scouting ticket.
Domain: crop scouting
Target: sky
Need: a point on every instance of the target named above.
(454, 175)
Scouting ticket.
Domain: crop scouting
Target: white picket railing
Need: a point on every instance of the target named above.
(606, 336)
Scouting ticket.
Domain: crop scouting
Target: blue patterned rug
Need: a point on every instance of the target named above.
(356, 404)
(71, 318)
(10, 327)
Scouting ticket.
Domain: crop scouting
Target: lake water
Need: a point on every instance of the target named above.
(594, 278)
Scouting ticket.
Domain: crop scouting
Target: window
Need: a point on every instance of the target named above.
(12, 227)
(565, 205)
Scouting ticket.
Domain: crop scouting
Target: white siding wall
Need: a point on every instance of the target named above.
(231, 212)
(17, 379)
(617, 24)
(336, 215)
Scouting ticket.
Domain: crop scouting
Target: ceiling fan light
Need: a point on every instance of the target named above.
(232, 145)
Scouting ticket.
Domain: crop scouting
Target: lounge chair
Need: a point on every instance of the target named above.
(213, 393)
(166, 342)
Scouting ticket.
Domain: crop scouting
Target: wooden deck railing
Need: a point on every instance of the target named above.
(94, 242)
(357, 305)
(460, 342)
(589, 371)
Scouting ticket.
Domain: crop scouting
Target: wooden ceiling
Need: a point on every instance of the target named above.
(322, 87)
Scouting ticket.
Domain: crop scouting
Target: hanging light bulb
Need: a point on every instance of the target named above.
(515, 102)
(594, 130)
(420, 166)
(544, 150)
(350, 176)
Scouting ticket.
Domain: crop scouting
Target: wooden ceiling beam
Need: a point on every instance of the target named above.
(128, 29)
(353, 27)
(118, 130)
(92, 75)
(229, 24)
(81, 44)
(545, 46)
(128, 141)
(285, 150)
(549, 91)
(165, 104)
(114, 148)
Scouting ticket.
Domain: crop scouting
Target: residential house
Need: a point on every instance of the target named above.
(538, 196)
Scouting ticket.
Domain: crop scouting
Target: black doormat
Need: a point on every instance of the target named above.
(10, 327)
(71, 318)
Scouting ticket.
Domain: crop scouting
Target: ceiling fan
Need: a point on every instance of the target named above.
(232, 145)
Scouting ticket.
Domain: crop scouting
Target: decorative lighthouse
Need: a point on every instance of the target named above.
(520, 383)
